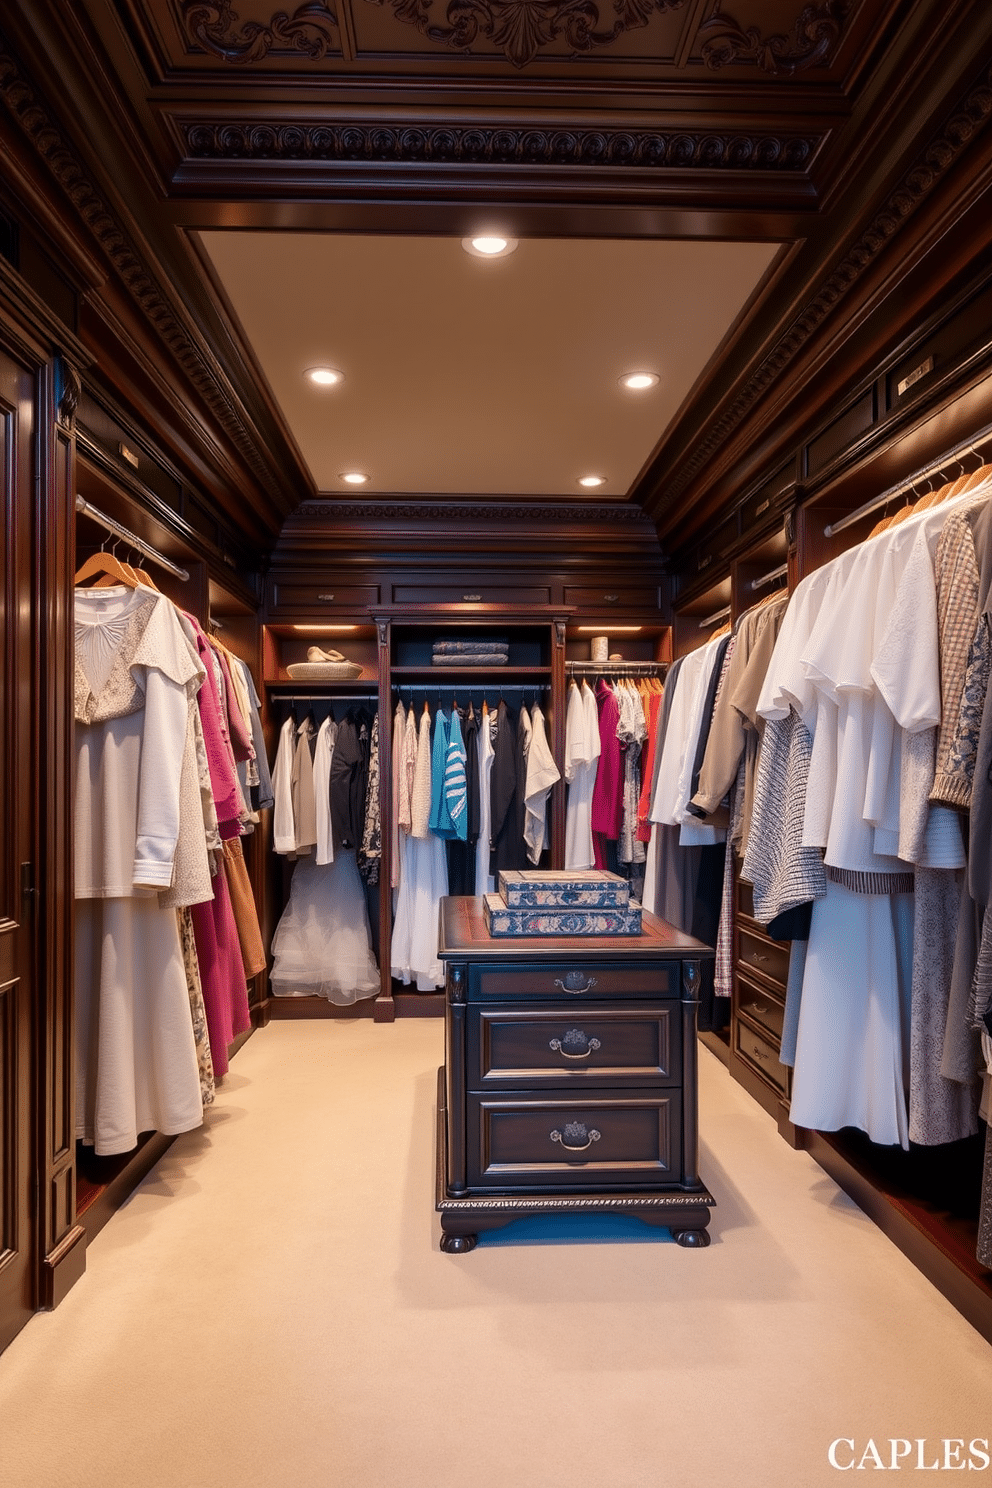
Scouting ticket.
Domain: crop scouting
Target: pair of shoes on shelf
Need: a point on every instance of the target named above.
(316, 654)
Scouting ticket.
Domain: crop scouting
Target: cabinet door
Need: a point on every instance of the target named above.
(18, 1228)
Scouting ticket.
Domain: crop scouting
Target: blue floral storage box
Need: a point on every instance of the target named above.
(503, 919)
(563, 888)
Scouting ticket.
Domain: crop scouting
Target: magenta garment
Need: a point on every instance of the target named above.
(607, 795)
(220, 755)
(238, 729)
(222, 971)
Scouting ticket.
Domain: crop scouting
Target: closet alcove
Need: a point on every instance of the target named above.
(116, 510)
(379, 581)
(892, 435)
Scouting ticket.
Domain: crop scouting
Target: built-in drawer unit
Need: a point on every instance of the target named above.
(760, 1052)
(630, 1139)
(761, 1006)
(598, 1046)
(769, 958)
(313, 597)
(605, 598)
(473, 592)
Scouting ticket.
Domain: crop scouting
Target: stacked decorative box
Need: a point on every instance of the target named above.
(563, 902)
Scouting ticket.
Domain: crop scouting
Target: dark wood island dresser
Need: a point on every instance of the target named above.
(569, 1082)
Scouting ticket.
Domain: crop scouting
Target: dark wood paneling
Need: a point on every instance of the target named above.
(63, 1240)
(18, 862)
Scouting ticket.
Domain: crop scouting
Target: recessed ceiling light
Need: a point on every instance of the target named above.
(638, 381)
(354, 478)
(592, 480)
(324, 376)
(489, 245)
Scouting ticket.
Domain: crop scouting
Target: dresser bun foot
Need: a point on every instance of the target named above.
(458, 1244)
(692, 1239)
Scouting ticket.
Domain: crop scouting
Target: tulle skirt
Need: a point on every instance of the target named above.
(322, 946)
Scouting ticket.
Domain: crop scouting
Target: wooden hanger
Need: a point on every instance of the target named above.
(110, 567)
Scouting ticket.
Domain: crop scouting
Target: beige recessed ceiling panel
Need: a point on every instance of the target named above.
(478, 377)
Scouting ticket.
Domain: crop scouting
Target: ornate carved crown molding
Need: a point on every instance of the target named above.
(213, 25)
(32, 116)
(930, 166)
(520, 28)
(645, 149)
(468, 511)
(725, 43)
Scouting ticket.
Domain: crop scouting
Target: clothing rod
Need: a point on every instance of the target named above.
(959, 453)
(712, 619)
(325, 697)
(130, 538)
(453, 688)
(607, 668)
(769, 578)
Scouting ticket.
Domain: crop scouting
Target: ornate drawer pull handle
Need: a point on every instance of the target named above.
(575, 1131)
(611, 598)
(756, 956)
(325, 596)
(471, 597)
(582, 1046)
(573, 982)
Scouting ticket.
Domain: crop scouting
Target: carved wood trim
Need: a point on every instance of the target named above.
(815, 36)
(520, 28)
(460, 511)
(930, 166)
(31, 114)
(645, 149)
(213, 25)
(67, 390)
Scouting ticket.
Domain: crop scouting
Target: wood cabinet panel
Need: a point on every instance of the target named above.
(18, 1153)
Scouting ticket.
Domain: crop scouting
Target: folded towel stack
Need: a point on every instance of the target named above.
(451, 651)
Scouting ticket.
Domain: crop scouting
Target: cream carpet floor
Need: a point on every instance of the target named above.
(271, 1308)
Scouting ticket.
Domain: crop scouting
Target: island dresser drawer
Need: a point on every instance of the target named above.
(597, 1046)
(630, 1140)
(572, 981)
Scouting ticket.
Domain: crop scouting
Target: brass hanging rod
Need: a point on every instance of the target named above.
(131, 538)
(973, 447)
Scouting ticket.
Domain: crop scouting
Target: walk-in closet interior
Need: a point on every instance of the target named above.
(767, 565)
